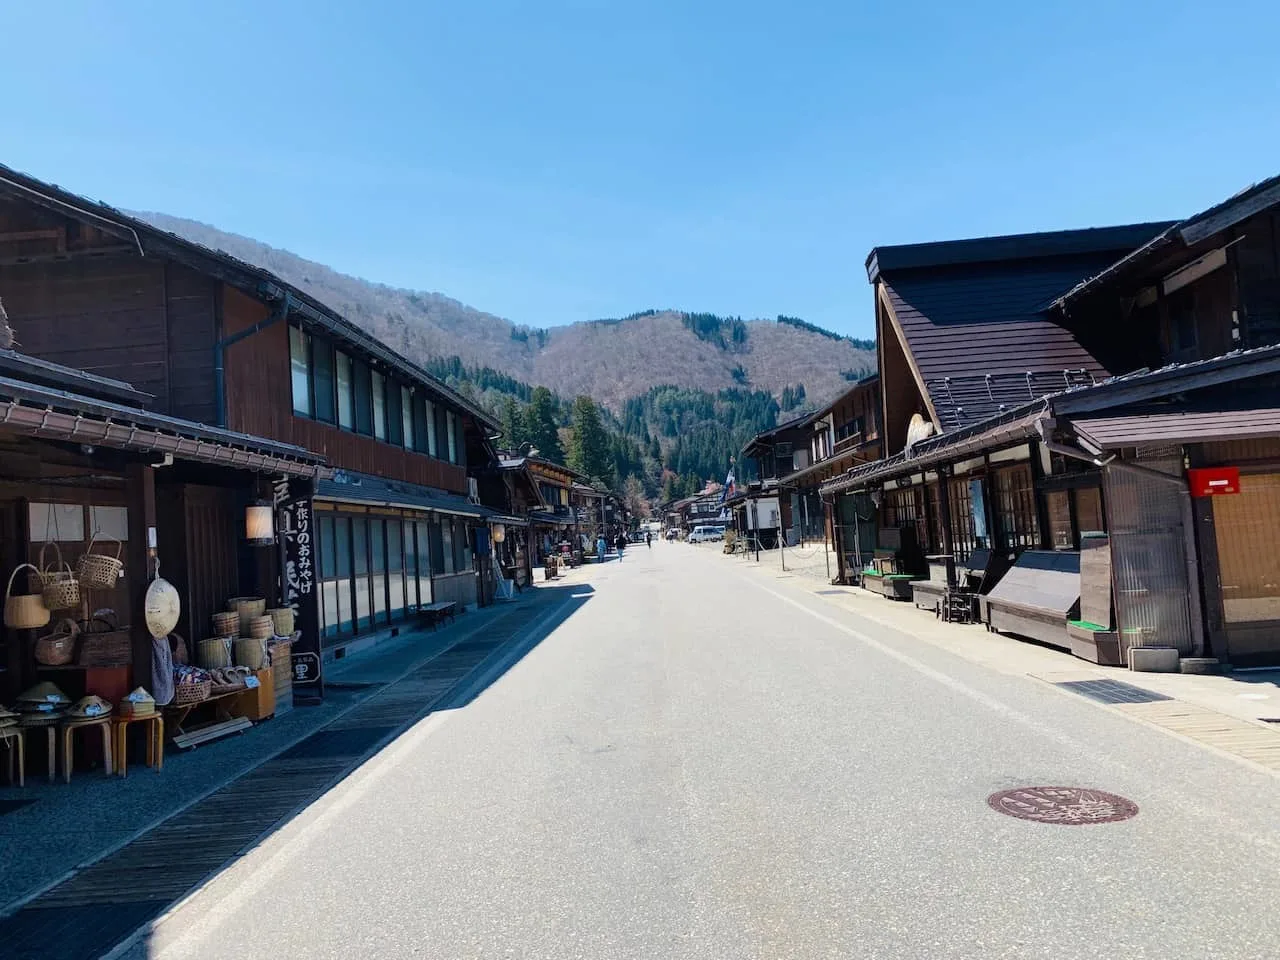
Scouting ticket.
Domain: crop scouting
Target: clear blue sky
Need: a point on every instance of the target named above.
(571, 159)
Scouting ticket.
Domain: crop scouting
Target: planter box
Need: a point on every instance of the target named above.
(1095, 643)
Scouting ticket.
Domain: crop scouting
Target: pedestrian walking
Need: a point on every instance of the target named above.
(620, 542)
(602, 546)
(648, 539)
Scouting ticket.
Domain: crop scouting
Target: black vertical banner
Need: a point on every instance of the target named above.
(295, 531)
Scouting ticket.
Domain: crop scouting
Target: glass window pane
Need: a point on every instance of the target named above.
(406, 413)
(342, 567)
(328, 564)
(61, 522)
(110, 522)
(395, 568)
(450, 421)
(322, 380)
(423, 533)
(431, 429)
(377, 546)
(446, 546)
(360, 550)
(421, 432)
(346, 396)
(395, 415)
(361, 377)
(299, 362)
(464, 544)
(1059, 508)
(410, 566)
(379, 406)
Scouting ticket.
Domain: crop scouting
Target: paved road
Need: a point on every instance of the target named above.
(701, 765)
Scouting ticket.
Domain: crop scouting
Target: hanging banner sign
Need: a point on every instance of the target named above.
(1214, 481)
(295, 531)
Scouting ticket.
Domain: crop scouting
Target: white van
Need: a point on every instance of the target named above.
(704, 533)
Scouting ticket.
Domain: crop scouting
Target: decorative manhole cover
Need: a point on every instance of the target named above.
(1066, 805)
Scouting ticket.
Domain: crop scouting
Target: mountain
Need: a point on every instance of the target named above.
(610, 360)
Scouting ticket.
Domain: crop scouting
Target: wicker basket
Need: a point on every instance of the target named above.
(110, 649)
(58, 648)
(98, 571)
(226, 624)
(250, 652)
(260, 628)
(185, 694)
(282, 618)
(214, 653)
(59, 586)
(24, 612)
(248, 608)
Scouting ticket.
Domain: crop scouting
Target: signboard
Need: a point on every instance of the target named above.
(1214, 481)
(764, 514)
(979, 513)
(295, 531)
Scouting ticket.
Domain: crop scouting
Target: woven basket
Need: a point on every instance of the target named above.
(128, 708)
(111, 649)
(185, 694)
(282, 617)
(58, 648)
(59, 587)
(214, 653)
(260, 628)
(251, 652)
(248, 608)
(24, 612)
(97, 570)
(226, 624)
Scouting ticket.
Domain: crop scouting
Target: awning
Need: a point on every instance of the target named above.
(1191, 426)
(372, 491)
(551, 519)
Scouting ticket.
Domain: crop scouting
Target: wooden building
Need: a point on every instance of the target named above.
(219, 341)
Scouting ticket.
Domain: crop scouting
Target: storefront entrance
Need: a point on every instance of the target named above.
(1247, 526)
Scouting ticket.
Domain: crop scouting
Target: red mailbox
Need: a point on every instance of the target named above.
(1214, 481)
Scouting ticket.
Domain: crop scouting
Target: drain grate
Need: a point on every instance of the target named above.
(12, 806)
(830, 593)
(1112, 691)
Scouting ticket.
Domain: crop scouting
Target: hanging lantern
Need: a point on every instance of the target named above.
(259, 523)
(499, 533)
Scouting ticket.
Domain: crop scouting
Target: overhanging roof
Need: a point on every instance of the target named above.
(348, 487)
(1130, 430)
(45, 373)
(55, 414)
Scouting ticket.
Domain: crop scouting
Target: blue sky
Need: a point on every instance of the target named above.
(573, 159)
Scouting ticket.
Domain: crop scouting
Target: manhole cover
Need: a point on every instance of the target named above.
(1067, 805)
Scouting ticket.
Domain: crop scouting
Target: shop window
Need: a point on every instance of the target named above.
(1058, 506)
(1015, 508)
(403, 556)
(425, 558)
(461, 549)
(936, 539)
(905, 508)
(431, 447)
(109, 522)
(1089, 517)
(362, 378)
(328, 577)
(450, 422)
(437, 547)
(299, 363)
(963, 540)
(378, 568)
(406, 413)
(395, 415)
(360, 571)
(322, 382)
(346, 398)
(465, 534)
(446, 546)
(60, 522)
(379, 386)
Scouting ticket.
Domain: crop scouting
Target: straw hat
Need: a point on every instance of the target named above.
(138, 704)
(44, 692)
(89, 708)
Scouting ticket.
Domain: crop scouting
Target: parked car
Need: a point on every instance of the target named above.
(704, 534)
(636, 536)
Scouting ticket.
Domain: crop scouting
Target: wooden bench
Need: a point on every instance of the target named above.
(435, 614)
(1036, 597)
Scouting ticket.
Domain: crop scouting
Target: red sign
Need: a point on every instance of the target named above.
(1214, 481)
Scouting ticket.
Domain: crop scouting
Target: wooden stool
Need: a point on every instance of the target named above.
(71, 726)
(14, 740)
(35, 722)
(155, 740)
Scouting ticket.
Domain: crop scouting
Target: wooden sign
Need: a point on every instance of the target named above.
(295, 531)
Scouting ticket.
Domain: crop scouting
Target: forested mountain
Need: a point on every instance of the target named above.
(610, 359)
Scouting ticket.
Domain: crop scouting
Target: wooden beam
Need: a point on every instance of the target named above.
(140, 493)
(906, 352)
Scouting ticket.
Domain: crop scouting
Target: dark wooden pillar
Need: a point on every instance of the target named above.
(944, 508)
(140, 486)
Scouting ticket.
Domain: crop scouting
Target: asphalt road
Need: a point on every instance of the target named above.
(700, 765)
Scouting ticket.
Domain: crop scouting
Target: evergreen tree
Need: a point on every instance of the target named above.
(512, 421)
(540, 425)
(589, 444)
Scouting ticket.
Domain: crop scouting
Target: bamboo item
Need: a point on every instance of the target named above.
(282, 617)
(111, 648)
(60, 589)
(58, 648)
(248, 608)
(226, 623)
(25, 611)
(98, 571)
(250, 652)
(214, 653)
(259, 628)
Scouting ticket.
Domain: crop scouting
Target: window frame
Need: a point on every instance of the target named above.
(346, 393)
(378, 392)
(300, 367)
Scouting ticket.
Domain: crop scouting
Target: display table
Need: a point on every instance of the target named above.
(14, 743)
(50, 724)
